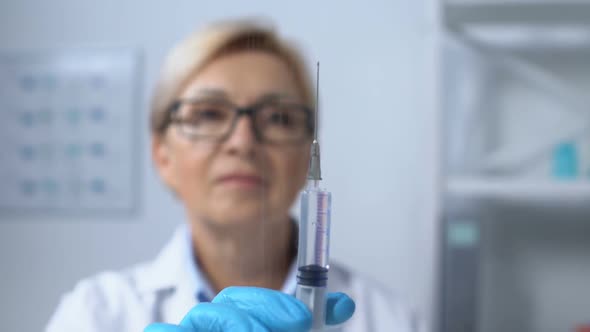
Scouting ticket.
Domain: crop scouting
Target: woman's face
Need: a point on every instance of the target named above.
(239, 180)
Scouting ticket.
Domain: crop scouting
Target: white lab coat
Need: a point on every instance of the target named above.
(163, 291)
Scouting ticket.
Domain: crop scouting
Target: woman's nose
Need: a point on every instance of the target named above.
(242, 139)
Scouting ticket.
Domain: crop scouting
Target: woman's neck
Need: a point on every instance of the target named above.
(255, 256)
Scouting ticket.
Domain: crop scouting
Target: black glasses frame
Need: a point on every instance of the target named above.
(250, 111)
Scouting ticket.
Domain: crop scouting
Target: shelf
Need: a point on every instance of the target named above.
(521, 190)
(517, 12)
(553, 199)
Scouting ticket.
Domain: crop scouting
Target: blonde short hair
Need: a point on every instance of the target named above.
(188, 57)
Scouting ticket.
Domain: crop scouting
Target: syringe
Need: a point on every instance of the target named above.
(314, 236)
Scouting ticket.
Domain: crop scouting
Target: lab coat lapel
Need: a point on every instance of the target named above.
(169, 280)
(180, 301)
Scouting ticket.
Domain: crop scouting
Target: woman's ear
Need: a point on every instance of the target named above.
(162, 158)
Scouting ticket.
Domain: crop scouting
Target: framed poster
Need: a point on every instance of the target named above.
(68, 131)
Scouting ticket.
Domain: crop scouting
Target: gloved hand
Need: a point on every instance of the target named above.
(253, 309)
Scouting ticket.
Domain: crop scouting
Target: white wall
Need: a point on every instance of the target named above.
(375, 57)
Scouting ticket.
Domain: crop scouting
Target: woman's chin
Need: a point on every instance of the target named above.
(243, 217)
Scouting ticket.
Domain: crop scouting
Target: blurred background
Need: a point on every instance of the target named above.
(455, 140)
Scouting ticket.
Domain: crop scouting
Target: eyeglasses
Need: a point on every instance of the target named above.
(273, 121)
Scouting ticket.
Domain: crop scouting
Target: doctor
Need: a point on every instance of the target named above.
(231, 123)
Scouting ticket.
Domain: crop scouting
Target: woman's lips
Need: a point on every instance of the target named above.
(242, 181)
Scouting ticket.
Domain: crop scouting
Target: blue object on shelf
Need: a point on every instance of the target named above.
(565, 161)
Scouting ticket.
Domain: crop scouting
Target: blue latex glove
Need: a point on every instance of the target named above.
(249, 309)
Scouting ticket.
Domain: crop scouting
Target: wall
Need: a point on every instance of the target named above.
(377, 135)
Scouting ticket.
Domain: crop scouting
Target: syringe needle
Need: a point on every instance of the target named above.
(317, 100)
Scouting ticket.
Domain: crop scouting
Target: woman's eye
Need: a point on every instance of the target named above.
(281, 118)
(207, 115)
(211, 114)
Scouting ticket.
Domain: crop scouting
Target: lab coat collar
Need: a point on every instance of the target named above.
(175, 269)
(169, 269)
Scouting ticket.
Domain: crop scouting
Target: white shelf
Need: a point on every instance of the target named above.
(517, 11)
(520, 190)
(565, 200)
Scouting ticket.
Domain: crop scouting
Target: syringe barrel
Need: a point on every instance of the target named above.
(313, 256)
(315, 300)
(314, 233)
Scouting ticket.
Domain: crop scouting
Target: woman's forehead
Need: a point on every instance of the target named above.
(221, 94)
(244, 77)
